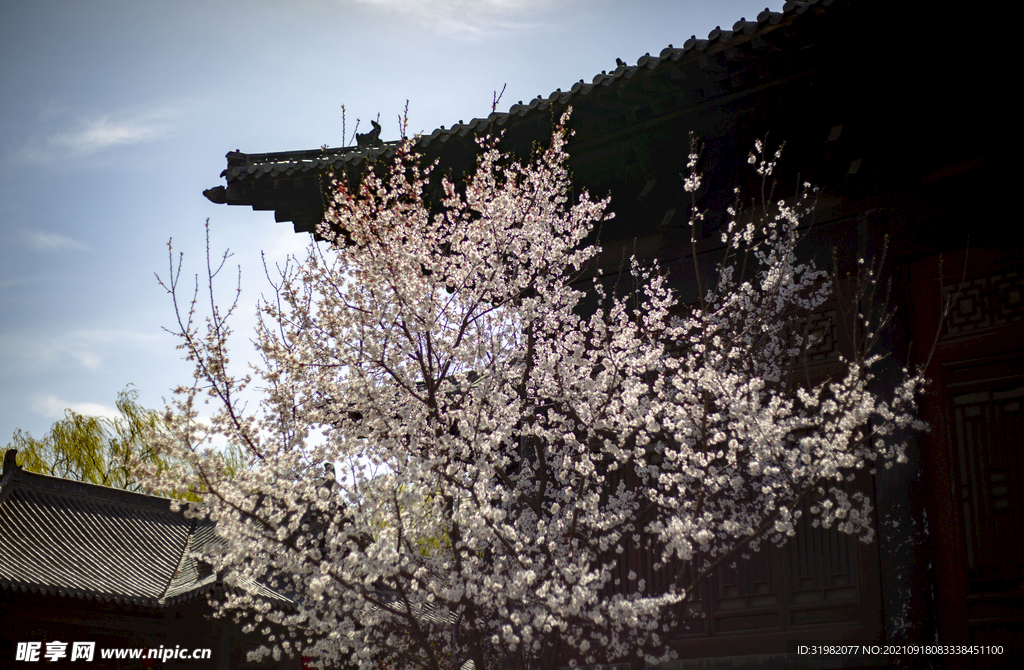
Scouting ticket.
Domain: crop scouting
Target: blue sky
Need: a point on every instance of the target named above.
(114, 116)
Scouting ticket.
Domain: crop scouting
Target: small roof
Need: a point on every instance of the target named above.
(68, 538)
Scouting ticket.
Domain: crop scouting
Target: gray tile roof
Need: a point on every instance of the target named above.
(67, 538)
(242, 167)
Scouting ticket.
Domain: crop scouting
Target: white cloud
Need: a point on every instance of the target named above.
(474, 19)
(85, 136)
(40, 241)
(53, 407)
(89, 348)
(102, 133)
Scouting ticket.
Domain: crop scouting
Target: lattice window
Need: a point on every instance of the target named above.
(989, 440)
(821, 333)
(823, 563)
(985, 302)
(751, 584)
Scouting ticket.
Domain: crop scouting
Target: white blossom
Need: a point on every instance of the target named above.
(480, 430)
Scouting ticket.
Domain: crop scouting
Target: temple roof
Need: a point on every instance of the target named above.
(68, 538)
(876, 106)
(610, 110)
(287, 163)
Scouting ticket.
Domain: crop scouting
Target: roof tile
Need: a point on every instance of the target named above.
(270, 164)
(86, 541)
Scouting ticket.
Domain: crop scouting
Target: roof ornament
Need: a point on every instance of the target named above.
(620, 62)
(218, 195)
(370, 139)
(10, 460)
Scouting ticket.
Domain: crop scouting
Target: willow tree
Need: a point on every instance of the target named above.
(102, 450)
(484, 422)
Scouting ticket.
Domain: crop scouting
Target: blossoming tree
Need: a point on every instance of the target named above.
(498, 449)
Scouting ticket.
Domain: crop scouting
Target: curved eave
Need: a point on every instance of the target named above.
(245, 167)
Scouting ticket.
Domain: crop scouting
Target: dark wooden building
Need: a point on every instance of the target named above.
(87, 563)
(899, 113)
